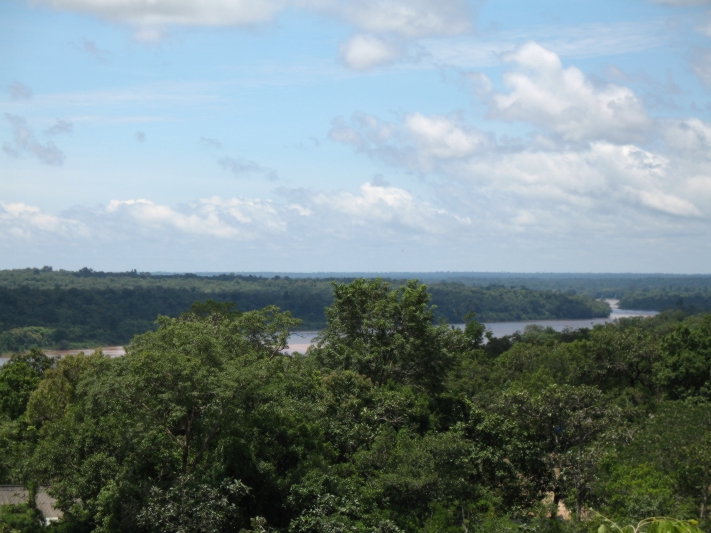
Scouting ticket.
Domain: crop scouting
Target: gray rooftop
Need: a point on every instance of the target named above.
(14, 494)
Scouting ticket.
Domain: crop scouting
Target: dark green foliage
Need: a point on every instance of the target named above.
(690, 300)
(18, 379)
(385, 335)
(684, 367)
(498, 304)
(665, 470)
(62, 309)
(391, 424)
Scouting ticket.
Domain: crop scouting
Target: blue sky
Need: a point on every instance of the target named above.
(356, 135)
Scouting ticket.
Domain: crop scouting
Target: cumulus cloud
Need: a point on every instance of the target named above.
(19, 220)
(589, 159)
(419, 142)
(376, 208)
(363, 52)
(243, 168)
(690, 135)
(24, 142)
(235, 218)
(602, 177)
(593, 177)
(389, 208)
(19, 91)
(563, 101)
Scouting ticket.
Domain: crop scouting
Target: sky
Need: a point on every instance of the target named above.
(356, 135)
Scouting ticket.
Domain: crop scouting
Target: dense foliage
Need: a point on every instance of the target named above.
(688, 299)
(389, 424)
(43, 308)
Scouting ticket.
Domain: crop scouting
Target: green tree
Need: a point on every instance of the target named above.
(140, 431)
(573, 426)
(385, 334)
(18, 378)
(684, 368)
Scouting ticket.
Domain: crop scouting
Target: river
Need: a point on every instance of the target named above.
(301, 340)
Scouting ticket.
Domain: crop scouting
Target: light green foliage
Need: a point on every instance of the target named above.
(57, 390)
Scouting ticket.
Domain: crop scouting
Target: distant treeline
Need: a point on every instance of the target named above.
(40, 307)
(688, 300)
(595, 285)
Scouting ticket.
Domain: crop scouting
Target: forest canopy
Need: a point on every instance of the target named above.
(390, 423)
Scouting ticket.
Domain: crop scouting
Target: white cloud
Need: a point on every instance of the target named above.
(234, 218)
(363, 52)
(389, 208)
(602, 177)
(442, 137)
(563, 101)
(419, 143)
(408, 18)
(175, 12)
(688, 135)
(25, 221)
(404, 18)
(549, 181)
(375, 213)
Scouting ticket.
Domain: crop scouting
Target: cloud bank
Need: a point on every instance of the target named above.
(593, 159)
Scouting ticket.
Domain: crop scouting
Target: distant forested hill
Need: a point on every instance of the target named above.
(70, 308)
(595, 285)
(689, 300)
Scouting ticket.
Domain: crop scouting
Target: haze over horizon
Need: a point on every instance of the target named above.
(356, 136)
